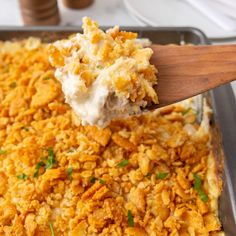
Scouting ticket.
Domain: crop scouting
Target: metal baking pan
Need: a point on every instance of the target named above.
(223, 101)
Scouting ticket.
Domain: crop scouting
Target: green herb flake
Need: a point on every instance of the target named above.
(123, 163)
(41, 163)
(36, 174)
(197, 182)
(46, 78)
(51, 159)
(92, 179)
(203, 196)
(102, 181)
(51, 152)
(13, 84)
(99, 66)
(37, 167)
(161, 175)
(71, 150)
(186, 111)
(51, 229)
(148, 175)
(130, 219)
(25, 128)
(22, 176)
(198, 187)
(2, 151)
(69, 172)
(197, 113)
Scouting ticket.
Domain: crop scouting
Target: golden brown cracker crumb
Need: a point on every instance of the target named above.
(40, 140)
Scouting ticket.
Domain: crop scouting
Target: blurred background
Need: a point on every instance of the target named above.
(216, 18)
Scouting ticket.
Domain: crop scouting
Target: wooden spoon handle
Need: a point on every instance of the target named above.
(185, 71)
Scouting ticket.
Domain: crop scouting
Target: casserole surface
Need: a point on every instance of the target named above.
(148, 175)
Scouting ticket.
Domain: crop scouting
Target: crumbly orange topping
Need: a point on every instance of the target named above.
(101, 70)
(149, 175)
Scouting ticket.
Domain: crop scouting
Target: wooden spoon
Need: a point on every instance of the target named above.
(185, 71)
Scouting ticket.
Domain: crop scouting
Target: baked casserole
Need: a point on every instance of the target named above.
(153, 174)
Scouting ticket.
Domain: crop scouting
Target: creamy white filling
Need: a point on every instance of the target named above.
(86, 104)
(90, 107)
(98, 103)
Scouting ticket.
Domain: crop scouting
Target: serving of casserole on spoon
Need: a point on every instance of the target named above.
(104, 75)
(107, 75)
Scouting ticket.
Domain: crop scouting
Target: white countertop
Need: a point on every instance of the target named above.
(106, 12)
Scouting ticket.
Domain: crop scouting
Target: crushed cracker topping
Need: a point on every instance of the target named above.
(96, 201)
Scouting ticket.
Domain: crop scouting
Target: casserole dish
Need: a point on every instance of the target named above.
(223, 115)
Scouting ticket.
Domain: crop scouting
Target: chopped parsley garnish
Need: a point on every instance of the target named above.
(41, 163)
(198, 188)
(37, 167)
(51, 229)
(51, 159)
(99, 66)
(46, 78)
(148, 175)
(25, 128)
(161, 175)
(3, 151)
(123, 163)
(130, 219)
(71, 150)
(13, 84)
(102, 181)
(22, 176)
(36, 173)
(203, 196)
(186, 111)
(69, 172)
(92, 179)
(197, 182)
